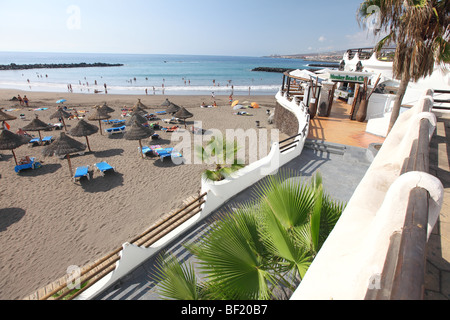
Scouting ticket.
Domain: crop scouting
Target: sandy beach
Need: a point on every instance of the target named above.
(48, 222)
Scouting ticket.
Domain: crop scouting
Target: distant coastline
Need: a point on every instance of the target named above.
(14, 66)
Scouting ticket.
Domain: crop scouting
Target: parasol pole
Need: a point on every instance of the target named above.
(140, 144)
(14, 155)
(100, 124)
(40, 136)
(64, 123)
(89, 147)
(70, 166)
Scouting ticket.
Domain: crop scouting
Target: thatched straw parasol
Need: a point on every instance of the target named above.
(139, 104)
(6, 117)
(37, 125)
(105, 108)
(166, 103)
(64, 146)
(138, 109)
(99, 115)
(136, 117)
(183, 114)
(11, 141)
(84, 129)
(173, 108)
(139, 132)
(60, 113)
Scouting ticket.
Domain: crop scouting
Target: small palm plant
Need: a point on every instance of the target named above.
(252, 252)
(223, 155)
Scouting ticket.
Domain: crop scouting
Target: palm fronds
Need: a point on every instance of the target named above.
(247, 254)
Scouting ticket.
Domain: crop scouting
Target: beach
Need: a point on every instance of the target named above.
(48, 222)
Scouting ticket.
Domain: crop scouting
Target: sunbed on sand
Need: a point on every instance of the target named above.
(31, 165)
(104, 167)
(81, 172)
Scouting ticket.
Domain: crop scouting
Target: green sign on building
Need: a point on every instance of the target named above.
(347, 78)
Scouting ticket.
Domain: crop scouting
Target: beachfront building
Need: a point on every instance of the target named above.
(346, 82)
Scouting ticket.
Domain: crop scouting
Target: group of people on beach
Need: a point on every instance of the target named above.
(23, 101)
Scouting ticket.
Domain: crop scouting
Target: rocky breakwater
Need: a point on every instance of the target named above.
(269, 69)
(14, 66)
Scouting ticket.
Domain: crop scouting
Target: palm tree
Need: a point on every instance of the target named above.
(250, 253)
(221, 153)
(420, 31)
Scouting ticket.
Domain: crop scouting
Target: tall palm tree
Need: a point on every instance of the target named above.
(249, 253)
(420, 31)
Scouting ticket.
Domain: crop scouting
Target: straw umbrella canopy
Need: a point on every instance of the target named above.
(64, 146)
(11, 141)
(60, 113)
(136, 117)
(138, 109)
(138, 132)
(84, 129)
(139, 104)
(173, 108)
(183, 114)
(99, 115)
(6, 117)
(105, 108)
(37, 125)
(166, 103)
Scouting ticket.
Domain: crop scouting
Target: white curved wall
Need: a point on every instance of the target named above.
(356, 249)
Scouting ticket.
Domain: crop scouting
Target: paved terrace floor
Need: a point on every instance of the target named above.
(347, 157)
(338, 128)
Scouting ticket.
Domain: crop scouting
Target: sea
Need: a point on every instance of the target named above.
(152, 74)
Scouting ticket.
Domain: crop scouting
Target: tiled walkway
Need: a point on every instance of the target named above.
(437, 278)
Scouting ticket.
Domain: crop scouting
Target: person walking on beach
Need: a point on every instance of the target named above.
(20, 99)
(25, 100)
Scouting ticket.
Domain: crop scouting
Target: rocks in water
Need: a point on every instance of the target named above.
(268, 69)
(14, 66)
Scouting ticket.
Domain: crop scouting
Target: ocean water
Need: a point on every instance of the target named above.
(158, 74)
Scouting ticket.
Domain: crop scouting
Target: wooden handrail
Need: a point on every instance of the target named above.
(409, 280)
(403, 275)
(288, 145)
(418, 159)
(166, 224)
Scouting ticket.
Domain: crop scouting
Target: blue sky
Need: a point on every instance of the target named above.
(226, 27)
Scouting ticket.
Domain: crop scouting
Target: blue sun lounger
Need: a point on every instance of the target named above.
(104, 167)
(146, 150)
(47, 140)
(116, 130)
(34, 141)
(168, 153)
(32, 165)
(81, 172)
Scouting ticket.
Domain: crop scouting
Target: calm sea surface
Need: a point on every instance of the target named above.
(169, 74)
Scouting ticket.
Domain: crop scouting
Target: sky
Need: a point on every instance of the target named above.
(199, 27)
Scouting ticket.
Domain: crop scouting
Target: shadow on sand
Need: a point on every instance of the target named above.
(108, 153)
(99, 183)
(9, 216)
